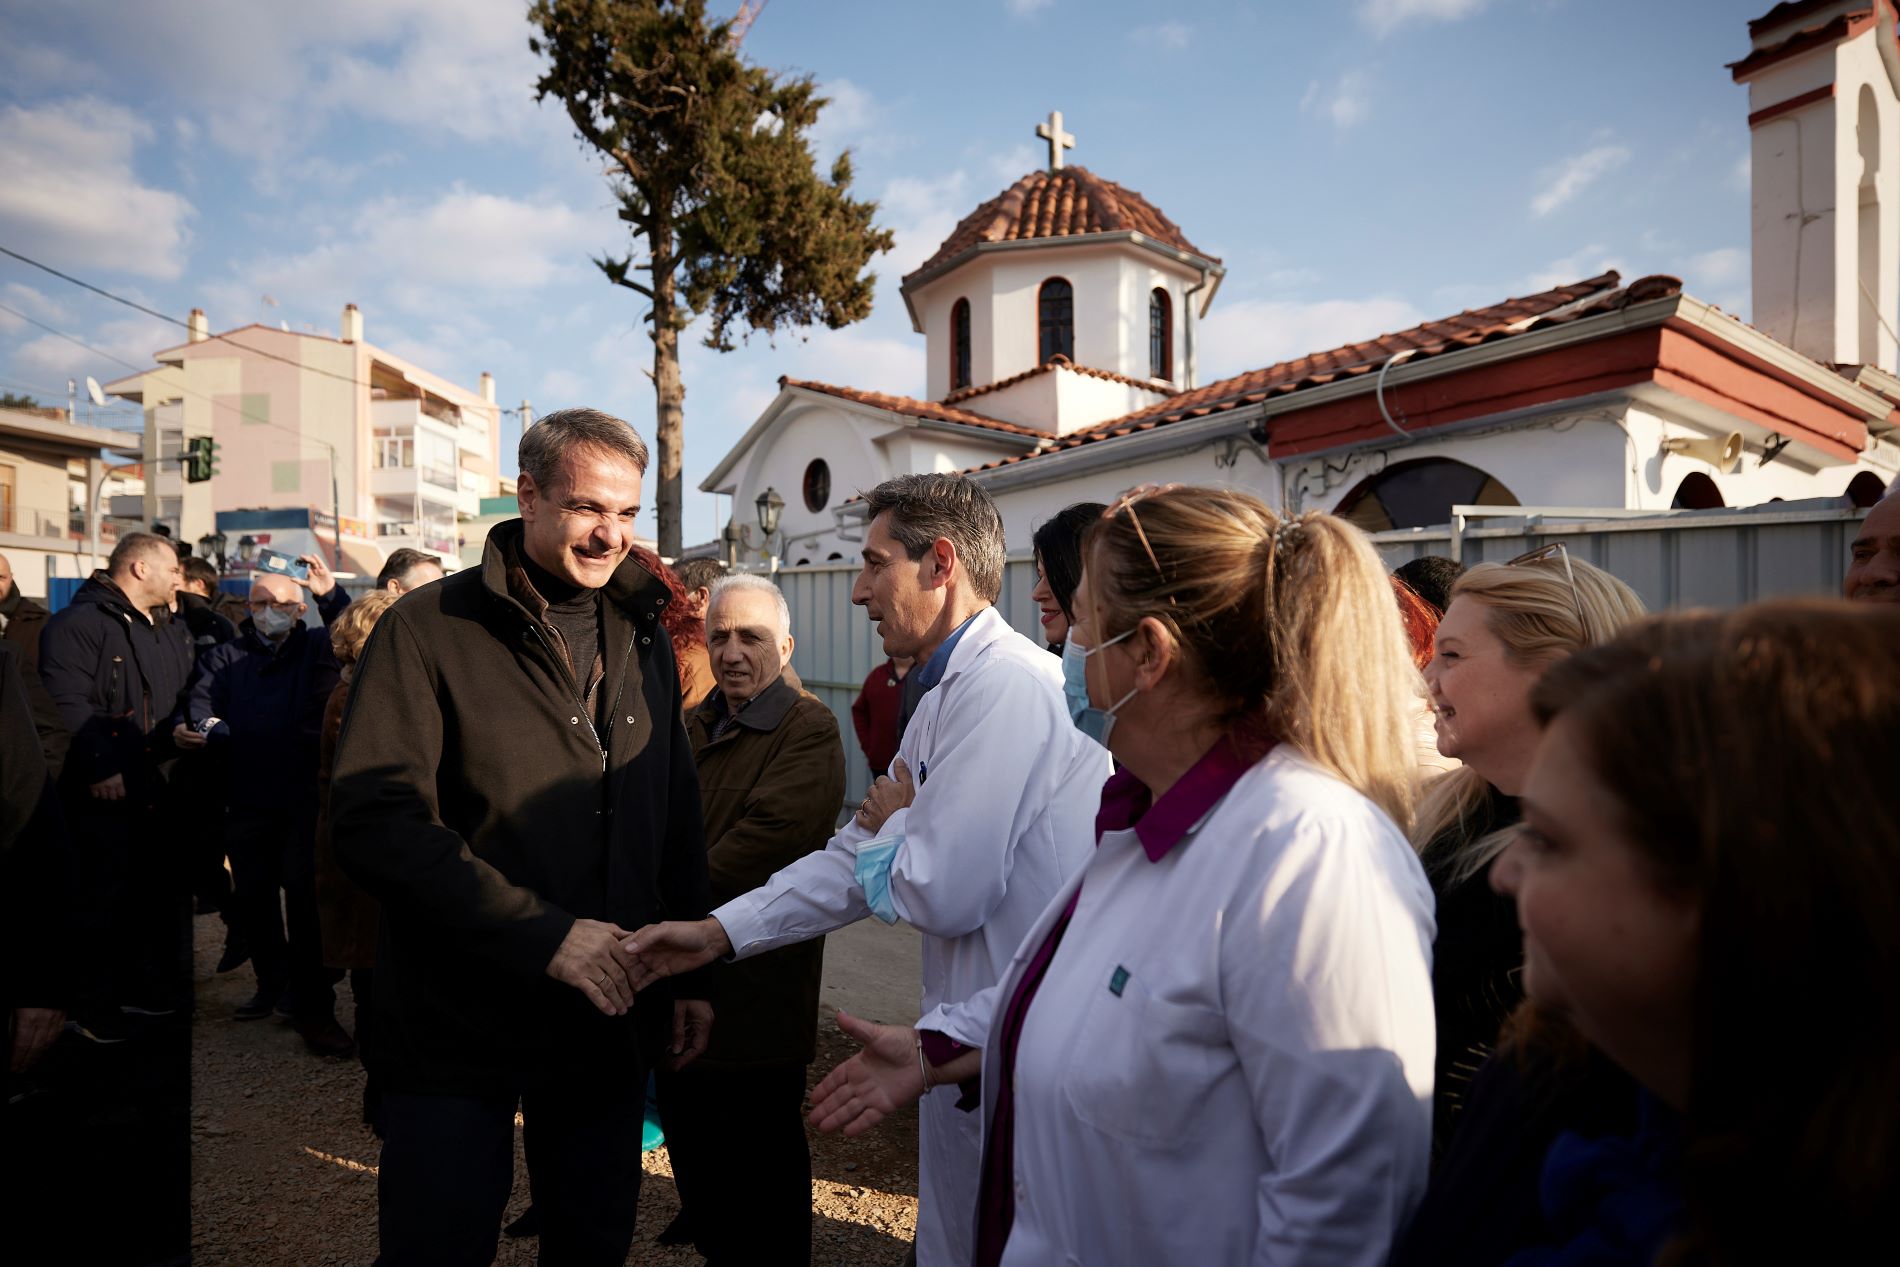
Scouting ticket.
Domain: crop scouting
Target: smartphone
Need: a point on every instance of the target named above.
(283, 565)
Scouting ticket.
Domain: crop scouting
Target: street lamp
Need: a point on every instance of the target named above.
(770, 505)
(247, 548)
(211, 546)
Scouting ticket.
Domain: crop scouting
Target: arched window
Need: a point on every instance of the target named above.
(1865, 489)
(1420, 494)
(1696, 492)
(817, 485)
(1055, 320)
(1160, 334)
(959, 345)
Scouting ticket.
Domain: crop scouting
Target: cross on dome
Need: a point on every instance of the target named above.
(1058, 139)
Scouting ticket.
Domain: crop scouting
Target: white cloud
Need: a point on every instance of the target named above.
(1254, 333)
(848, 115)
(1564, 181)
(1719, 267)
(1023, 8)
(1346, 103)
(68, 191)
(425, 257)
(1739, 178)
(1017, 161)
(921, 214)
(51, 359)
(1586, 262)
(1380, 16)
(1169, 35)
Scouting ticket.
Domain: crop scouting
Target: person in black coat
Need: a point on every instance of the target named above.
(116, 672)
(22, 621)
(262, 694)
(513, 783)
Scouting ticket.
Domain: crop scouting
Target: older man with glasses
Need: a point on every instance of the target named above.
(260, 699)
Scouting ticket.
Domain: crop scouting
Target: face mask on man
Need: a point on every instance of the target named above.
(272, 623)
(1096, 723)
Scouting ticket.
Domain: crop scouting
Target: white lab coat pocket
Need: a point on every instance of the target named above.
(1142, 1065)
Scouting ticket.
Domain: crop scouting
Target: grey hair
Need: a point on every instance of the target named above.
(548, 442)
(752, 583)
(924, 508)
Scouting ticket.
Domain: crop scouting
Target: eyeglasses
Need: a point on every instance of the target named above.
(1570, 574)
(282, 607)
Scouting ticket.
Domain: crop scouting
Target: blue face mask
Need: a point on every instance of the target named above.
(873, 874)
(1096, 723)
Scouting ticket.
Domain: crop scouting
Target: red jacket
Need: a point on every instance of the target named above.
(875, 713)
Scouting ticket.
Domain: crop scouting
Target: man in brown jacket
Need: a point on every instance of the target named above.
(771, 775)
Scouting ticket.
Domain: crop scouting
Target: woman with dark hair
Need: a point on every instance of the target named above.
(1708, 879)
(1058, 544)
(687, 632)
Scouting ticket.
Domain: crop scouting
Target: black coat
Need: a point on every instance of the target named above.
(270, 695)
(208, 626)
(117, 678)
(36, 948)
(471, 797)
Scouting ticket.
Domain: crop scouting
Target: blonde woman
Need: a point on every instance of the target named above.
(348, 916)
(1215, 1045)
(1506, 623)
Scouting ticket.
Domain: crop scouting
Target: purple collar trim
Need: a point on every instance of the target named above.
(1163, 824)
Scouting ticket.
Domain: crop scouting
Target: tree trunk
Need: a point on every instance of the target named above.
(670, 398)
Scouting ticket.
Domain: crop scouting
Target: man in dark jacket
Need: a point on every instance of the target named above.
(198, 784)
(513, 783)
(198, 606)
(117, 674)
(22, 621)
(266, 691)
(771, 773)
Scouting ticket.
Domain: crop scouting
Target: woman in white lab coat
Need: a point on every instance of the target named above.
(1215, 1046)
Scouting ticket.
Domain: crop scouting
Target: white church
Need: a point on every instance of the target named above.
(1059, 319)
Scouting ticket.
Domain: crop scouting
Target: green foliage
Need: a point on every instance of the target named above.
(9, 400)
(710, 161)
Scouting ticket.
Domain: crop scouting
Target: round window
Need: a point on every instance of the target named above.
(817, 485)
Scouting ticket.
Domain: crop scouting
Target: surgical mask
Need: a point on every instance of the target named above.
(1096, 723)
(872, 871)
(272, 623)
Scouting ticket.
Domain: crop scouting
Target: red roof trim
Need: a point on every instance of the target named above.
(1056, 362)
(928, 410)
(1844, 27)
(1791, 104)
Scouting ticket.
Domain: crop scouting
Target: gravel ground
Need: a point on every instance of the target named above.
(284, 1171)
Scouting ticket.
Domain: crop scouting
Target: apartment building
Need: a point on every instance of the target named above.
(335, 426)
(49, 467)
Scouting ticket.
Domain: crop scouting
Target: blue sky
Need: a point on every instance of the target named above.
(1358, 164)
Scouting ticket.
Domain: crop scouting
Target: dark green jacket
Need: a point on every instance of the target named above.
(772, 785)
(471, 798)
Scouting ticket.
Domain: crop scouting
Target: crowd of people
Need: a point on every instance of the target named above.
(1292, 910)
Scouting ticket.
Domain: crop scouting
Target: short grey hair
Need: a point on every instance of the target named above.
(925, 507)
(751, 583)
(548, 442)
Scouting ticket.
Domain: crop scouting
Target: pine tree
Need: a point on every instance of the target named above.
(708, 157)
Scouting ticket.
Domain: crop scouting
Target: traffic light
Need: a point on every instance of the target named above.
(201, 459)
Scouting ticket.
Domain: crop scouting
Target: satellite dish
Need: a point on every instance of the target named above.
(94, 393)
(284, 326)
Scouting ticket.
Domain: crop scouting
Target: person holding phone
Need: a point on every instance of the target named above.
(264, 692)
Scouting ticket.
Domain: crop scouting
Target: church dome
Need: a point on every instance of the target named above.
(1067, 203)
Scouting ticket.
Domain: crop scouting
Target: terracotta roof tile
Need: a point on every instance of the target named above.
(1466, 329)
(1816, 35)
(1068, 203)
(1056, 362)
(929, 410)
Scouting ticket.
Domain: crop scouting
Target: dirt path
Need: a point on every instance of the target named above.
(284, 1171)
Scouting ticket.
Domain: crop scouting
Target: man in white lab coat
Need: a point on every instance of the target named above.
(990, 806)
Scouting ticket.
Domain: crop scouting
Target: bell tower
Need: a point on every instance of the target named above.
(1824, 119)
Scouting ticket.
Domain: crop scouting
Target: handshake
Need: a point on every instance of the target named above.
(610, 965)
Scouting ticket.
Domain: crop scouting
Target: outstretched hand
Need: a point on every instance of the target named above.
(882, 1078)
(665, 950)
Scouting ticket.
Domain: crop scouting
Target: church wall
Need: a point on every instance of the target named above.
(1025, 508)
(806, 432)
(1788, 477)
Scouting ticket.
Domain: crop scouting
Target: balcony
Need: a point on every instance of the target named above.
(51, 525)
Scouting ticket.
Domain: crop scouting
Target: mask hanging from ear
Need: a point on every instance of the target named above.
(1096, 723)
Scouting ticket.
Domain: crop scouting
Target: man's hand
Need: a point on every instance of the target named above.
(888, 795)
(881, 1079)
(590, 959)
(692, 1028)
(34, 1029)
(665, 950)
(187, 736)
(322, 580)
(112, 789)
